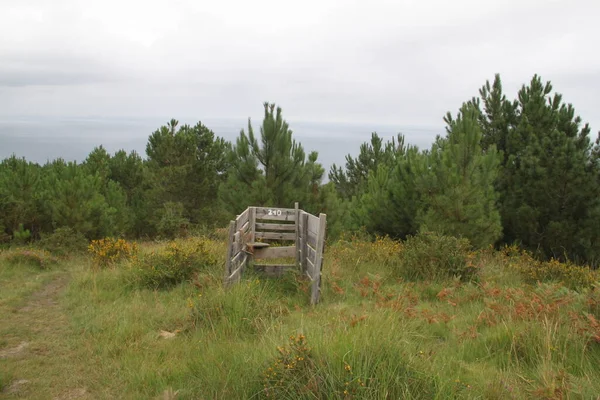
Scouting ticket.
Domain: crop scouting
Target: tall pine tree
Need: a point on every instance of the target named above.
(549, 188)
(272, 169)
(186, 166)
(456, 183)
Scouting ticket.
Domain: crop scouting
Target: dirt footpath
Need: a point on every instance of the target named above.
(37, 358)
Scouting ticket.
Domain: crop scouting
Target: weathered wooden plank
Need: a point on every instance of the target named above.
(251, 239)
(315, 291)
(297, 232)
(229, 249)
(239, 264)
(237, 242)
(276, 214)
(274, 252)
(275, 235)
(311, 253)
(311, 239)
(245, 228)
(242, 219)
(310, 268)
(257, 245)
(235, 276)
(313, 224)
(237, 247)
(304, 236)
(275, 227)
(238, 258)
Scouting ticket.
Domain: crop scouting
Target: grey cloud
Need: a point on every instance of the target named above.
(402, 62)
(45, 69)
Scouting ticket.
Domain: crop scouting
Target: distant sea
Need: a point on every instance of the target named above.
(43, 139)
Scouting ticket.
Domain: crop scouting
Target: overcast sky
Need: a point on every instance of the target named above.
(403, 62)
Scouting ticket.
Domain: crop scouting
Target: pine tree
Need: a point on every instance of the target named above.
(73, 198)
(271, 169)
(390, 201)
(129, 171)
(456, 182)
(352, 181)
(19, 194)
(548, 185)
(186, 165)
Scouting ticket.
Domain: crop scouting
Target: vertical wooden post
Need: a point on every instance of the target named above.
(229, 250)
(315, 292)
(304, 234)
(297, 242)
(252, 222)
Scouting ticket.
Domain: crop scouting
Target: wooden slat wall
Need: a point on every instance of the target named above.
(297, 233)
(313, 224)
(311, 239)
(252, 224)
(239, 264)
(275, 227)
(229, 249)
(311, 268)
(315, 292)
(304, 240)
(311, 254)
(242, 219)
(276, 235)
(275, 214)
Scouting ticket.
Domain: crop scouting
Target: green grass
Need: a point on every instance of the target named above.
(373, 336)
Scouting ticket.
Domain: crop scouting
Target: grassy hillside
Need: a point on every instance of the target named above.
(73, 329)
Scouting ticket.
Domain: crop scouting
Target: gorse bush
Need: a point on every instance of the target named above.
(296, 372)
(34, 257)
(573, 276)
(382, 250)
(292, 371)
(434, 256)
(108, 251)
(171, 265)
(64, 241)
(533, 271)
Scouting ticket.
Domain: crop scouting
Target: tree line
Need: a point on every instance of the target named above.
(522, 171)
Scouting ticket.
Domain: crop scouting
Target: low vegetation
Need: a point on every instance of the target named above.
(470, 324)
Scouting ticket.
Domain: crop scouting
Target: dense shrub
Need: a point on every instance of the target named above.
(4, 237)
(21, 236)
(34, 257)
(293, 370)
(172, 223)
(432, 256)
(533, 271)
(382, 251)
(108, 251)
(64, 241)
(296, 372)
(175, 263)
